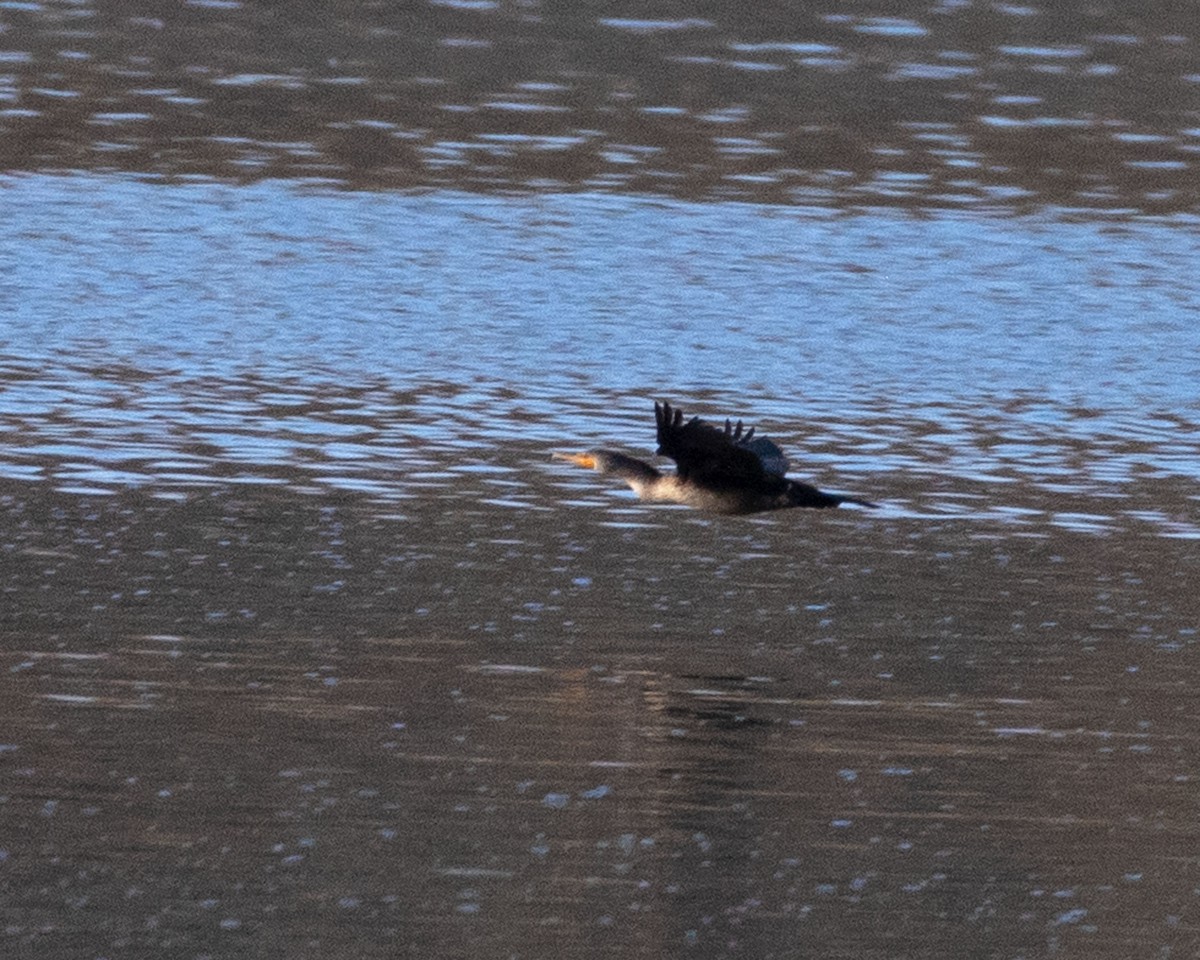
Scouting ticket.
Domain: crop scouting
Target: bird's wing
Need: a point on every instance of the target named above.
(769, 455)
(708, 456)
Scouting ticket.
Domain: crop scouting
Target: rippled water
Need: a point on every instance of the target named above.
(307, 646)
(946, 103)
(183, 338)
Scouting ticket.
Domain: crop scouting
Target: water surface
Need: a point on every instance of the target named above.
(976, 105)
(308, 647)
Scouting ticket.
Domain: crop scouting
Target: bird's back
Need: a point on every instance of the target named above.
(710, 459)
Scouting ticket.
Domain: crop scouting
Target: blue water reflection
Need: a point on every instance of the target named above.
(203, 333)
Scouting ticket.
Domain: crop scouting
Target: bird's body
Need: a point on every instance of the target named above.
(720, 471)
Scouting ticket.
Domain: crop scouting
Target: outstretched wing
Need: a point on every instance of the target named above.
(709, 457)
(769, 455)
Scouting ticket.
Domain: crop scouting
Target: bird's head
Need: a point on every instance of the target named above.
(598, 460)
(610, 462)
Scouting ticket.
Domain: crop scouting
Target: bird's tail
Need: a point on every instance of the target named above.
(805, 495)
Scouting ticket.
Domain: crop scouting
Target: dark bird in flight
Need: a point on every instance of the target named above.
(722, 471)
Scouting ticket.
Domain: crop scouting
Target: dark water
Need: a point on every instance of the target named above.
(307, 648)
(954, 103)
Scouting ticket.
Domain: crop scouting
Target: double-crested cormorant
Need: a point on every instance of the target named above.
(723, 471)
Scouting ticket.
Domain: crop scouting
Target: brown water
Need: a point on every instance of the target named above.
(443, 696)
(269, 723)
(944, 103)
(309, 649)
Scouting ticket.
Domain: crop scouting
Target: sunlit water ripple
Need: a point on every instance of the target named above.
(400, 346)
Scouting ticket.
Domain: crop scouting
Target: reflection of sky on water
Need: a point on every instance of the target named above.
(206, 331)
(628, 295)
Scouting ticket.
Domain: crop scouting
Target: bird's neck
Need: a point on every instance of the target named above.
(642, 477)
